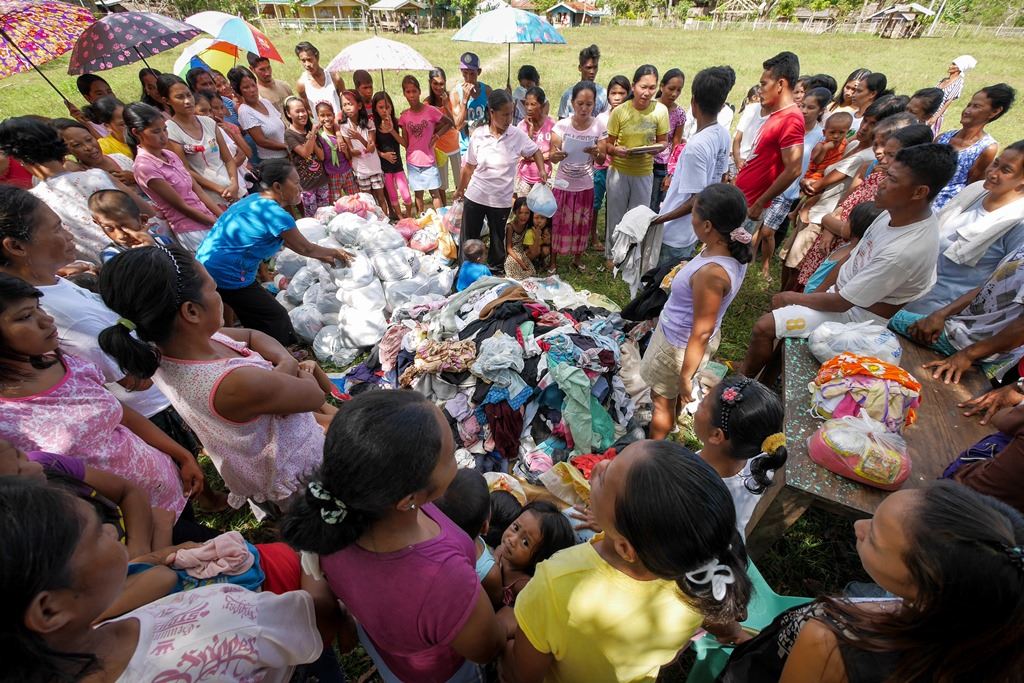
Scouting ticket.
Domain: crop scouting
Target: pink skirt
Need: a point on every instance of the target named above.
(570, 228)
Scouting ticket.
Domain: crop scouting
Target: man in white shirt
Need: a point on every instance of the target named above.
(589, 59)
(892, 265)
(704, 161)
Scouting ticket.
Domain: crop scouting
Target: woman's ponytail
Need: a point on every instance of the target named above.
(133, 356)
(740, 250)
(763, 467)
(720, 588)
(312, 523)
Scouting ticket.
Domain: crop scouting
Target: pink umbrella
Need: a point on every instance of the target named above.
(33, 33)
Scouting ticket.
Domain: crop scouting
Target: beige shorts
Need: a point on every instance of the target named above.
(802, 243)
(662, 363)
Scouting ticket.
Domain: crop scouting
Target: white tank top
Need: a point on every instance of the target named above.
(321, 93)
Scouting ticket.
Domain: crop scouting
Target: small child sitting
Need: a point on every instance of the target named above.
(861, 217)
(473, 266)
(827, 152)
(542, 242)
(119, 217)
(539, 532)
(521, 244)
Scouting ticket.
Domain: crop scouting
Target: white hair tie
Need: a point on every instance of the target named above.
(714, 572)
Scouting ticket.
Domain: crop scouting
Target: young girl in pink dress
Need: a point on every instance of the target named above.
(56, 402)
(249, 401)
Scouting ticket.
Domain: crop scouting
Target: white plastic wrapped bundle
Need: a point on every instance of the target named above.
(403, 291)
(328, 349)
(346, 228)
(312, 229)
(300, 282)
(396, 264)
(307, 321)
(367, 298)
(431, 263)
(287, 262)
(360, 329)
(358, 273)
(325, 214)
(282, 298)
(378, 237)
(425, 240)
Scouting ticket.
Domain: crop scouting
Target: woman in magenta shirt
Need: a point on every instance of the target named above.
(404, 570)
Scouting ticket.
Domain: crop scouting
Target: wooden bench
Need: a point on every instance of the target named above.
(940, 434)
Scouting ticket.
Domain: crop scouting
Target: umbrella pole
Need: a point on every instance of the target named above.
(508, 73)
(142, 57)
(382, 79)
(3, 34)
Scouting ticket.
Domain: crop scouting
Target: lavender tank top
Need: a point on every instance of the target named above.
(677, 316)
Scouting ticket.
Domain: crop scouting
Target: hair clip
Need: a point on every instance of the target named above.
(713, 572)
(336, 512)
(773, 442)
(126, 323)
(177, 272)
(1016, 555)
(731, 396)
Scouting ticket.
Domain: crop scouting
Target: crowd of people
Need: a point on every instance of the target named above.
(137, 331)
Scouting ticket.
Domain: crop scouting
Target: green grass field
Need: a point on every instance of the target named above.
(817, 555)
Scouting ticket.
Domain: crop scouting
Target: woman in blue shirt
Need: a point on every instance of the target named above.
(251, 231)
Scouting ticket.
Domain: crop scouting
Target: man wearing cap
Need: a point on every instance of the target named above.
(469, 99)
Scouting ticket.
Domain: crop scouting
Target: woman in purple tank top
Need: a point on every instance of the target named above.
(688, 332)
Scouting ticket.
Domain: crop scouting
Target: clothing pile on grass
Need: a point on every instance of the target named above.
(529, 374)
(342, 311)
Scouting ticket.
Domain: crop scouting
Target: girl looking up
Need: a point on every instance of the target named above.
(521, 242)
(423, 127)
(688, 331)
(537, 533)
(306, 154)
(669, 549)
(249, 401)
(390, 139)
(358, 131)
(740, 423)
(574, 141)
(671, 87)
(337, 154)
(199, 143)
(369, 513)
(180, 198)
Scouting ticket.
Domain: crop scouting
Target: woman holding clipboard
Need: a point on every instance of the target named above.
(637, 130)
(574, 142)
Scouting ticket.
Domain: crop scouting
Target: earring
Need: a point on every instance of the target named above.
(412, 506)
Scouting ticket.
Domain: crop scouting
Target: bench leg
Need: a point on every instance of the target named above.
(782, 512)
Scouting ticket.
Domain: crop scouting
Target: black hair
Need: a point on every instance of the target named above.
(273, 171)
(238, 74)
(821, 96)
(622, 82)
(752, 92)
(820, 81)
(855, 75)
(1015, 146)
(784, 65)
(756, 414)
(467, 501)
(205, 96)
(167, 81)
(932, 165)
(138, 116)
(519, 203)
(191, 77)
(17, 210)
(1000, 95)
(410, 79)
(377, 97)
(556, 533)
(12, 290)
(537, 93)
(362, 118)
(916, 134)
(436, 72)
(498, 99)
(85, 82)
(644, 70)
(504, 509)
(286, 105)
(726, 208)
(381, 447)
(876, 82)
(678, 515)
(114, 203)
(710, 88)
(61, 125)
(146, 71)
(590, 52)
(102, 110)
(255, 59)
(306, 46)
(361, 76)
(147, 286)
(580, 87)
(528, 72)
(932, 100)
(31, 141)
(668, 76)
(40, 530)
(473, 250)
(861, 218)
(885, 106)
(896, 122)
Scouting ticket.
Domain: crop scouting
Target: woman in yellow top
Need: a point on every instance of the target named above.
(641, 122)
(622, 606)
(109, 111)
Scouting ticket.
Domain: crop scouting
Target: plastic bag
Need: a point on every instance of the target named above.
(328, 349)
(422, 285)
(424, 240)
(325, 214)
(367, 298)
(302, 280)
(287, 262)
(312, 229)
(282, 298)
(452, 219)
(867, 338)
(861, 449)
(446, 245)
(541, 200)
(360, 329)
(346, 228)
(850, 384)
(396, 264)
(407, 227)
(378, 237)
(358, 272)
(307, 321)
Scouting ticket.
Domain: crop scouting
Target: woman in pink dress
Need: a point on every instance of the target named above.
(56, 402)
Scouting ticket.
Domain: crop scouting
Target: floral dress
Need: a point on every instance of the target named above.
(78, 417)
(965, 160)
(518, 245)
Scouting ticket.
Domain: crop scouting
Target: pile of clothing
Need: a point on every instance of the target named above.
(529, 374)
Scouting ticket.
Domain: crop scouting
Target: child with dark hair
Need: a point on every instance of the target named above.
(925, 103)
(422, 128)
(473, 267)
(117, 214)
(363, 83)
(535, 535)
(861, 218)
(741, 422)
(468, 503)
(527, 77)
(688, 331)
(337, 154)
(389, 138)
(360, 136)
(108, 112)
(505, 508)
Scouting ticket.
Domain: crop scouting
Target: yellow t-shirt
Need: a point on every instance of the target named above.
(598, 623)
(111, 145)
(635, 128)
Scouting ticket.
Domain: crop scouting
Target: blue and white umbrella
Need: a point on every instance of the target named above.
(509, 25)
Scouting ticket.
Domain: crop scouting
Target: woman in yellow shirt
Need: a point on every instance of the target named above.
(622, 606)
(109, 111)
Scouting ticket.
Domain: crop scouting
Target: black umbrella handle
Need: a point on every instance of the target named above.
(3, 34)
(141, 56)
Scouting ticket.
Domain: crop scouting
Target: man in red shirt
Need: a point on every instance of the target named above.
(777, 156)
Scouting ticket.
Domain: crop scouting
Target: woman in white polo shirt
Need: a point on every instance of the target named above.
(488, 174)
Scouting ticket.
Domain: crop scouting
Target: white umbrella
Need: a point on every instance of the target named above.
(379, 54)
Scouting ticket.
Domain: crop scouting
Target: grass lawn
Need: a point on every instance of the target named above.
(816, 555)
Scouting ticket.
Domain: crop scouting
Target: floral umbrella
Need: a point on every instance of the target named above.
(126, 37)
(33, 33)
